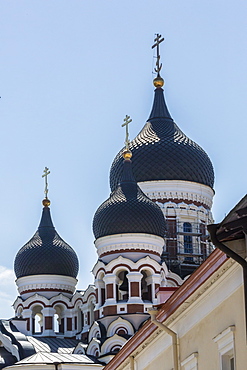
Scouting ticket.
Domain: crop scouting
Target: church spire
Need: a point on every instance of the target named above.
(46, 202)
(159, 109)
(158, 81)
(126, 123)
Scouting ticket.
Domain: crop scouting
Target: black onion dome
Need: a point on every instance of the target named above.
(46, 253)
(161, 151)
(128, 210)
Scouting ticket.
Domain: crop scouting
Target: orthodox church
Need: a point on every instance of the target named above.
(150, 235)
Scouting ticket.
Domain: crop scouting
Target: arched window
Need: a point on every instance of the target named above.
(19, 312)
(59, 319)
(56, 323)
(115, 349)
(122, 287)
(37, 320)
(121, 331)
(101, 289)
(188, 246)
(146, 289)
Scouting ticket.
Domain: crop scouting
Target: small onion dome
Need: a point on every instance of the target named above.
(46, 253)
(128, 209)
(161, 151)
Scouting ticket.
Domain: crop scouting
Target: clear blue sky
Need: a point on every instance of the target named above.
(71, 71)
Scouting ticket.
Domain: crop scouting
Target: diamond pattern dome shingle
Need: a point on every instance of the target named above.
(128, 210)
(46, 253)
(161, 151)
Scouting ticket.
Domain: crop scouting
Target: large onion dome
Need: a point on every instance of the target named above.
(128, 210)
(46, 253)
(161, 151)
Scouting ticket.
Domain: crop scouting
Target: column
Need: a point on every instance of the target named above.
(99, 285)
(48, 321)
(110, 286)
(154, 280)
(68, 323)
(134, 279)
(27, 315)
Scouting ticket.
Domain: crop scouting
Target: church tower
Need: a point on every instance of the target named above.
(46, 268)
(129, 230)
(177, 174)
(151, 232)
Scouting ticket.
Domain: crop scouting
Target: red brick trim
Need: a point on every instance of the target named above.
(134, 289)
(177, 201)
(133, 270)
(109, 291)
(69, 323)
(109, 310)
(134, 308)
(46, 290)
(130, 250)
(48, 322)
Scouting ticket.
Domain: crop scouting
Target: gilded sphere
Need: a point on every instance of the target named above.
(46, 202)
(127, 154)
(158, 81)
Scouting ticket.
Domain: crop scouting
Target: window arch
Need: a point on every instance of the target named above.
(121, 331)
(101, 288)
(59, 318)
(37, 320)
(146, 286)
(19, 312)
(122, 287)
(115, 348)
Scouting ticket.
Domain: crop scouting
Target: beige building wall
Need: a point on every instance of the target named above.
(210, 325)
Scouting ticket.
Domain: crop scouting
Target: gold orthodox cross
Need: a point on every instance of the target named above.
(46, 173)
(158, 40)
(126, 123)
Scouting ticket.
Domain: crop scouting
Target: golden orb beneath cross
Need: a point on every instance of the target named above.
(46, 202)
(127, 154)
(158, 81)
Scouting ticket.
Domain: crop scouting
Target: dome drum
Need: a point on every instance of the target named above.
(133, 246)
(167, 190)
(47, 284)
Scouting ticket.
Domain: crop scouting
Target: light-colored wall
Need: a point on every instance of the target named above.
(201, 337)
(217, 306)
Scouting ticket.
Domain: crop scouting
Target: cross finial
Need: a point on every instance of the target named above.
(46, 173)
(126, 123)
(157, 41)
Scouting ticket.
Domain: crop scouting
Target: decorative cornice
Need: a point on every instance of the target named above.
(145, 251)
(36, 289)
(129, 242)
(56, 283)
(168, 190)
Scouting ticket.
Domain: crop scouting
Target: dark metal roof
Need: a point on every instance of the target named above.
(17, 338)
(234, 225)
(46, 253)
(128, 210)
(161, 151)
(6, 357)
(59, 345)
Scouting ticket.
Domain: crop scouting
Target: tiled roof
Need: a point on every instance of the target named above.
(46, 253)
(161, 151)
(128, 210)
